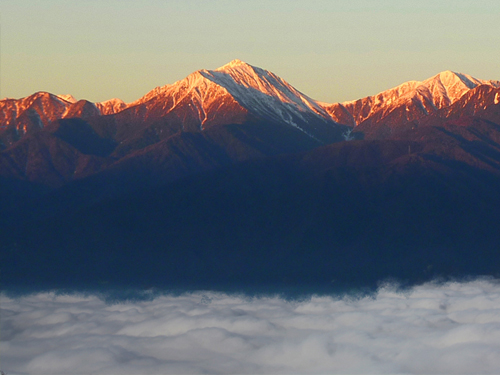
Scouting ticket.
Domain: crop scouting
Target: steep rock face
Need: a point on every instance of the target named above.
(395, 109)
(219, 178)
(111, 106)
(21, 117)
(248, 112)
(233, 94)
(477, 106)
(192, 104)
(238, 112)
(267, 95)
(482, 101)
(26, 115)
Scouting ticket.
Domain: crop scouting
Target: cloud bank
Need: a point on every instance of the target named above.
(431, 329)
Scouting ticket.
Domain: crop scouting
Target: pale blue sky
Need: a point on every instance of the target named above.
(330, 50)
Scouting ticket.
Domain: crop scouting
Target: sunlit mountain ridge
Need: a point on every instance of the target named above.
(234, 113)
(237, 90)
(232, 177)
(416, 99)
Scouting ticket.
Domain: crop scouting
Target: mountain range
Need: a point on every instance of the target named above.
(232, 176)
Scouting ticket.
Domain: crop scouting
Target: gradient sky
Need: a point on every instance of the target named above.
(331, 50)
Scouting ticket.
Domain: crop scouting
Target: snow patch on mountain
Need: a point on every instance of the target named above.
(243, 88)
(231, 93)
(264, 92)
(111, 106)
(192, 99)
(447, 87)
(416, 97)
(69, 98)
(39, 109)
(267, 95)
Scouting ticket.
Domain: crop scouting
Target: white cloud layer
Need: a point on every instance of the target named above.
(430, 329)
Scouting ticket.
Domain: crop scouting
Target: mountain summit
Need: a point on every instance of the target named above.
(235, 91)
(233, 177)
(406, 103)
(237, 111)
(255, 88)
(208, 119)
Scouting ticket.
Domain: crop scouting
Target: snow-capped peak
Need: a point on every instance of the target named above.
(447, 87)
(111, 106)
(258, 91)
(449, 78)
(232, 64)
(250, 84)
(69, 98)
(417, 97)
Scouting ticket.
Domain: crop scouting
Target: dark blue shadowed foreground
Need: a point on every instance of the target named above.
(261, 226)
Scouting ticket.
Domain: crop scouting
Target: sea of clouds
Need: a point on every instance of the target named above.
(451, 328)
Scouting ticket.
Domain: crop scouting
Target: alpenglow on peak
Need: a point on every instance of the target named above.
(233, 64)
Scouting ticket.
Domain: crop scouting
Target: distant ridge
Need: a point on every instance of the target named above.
(263, 114)
(257, 92)
(414, 97)
(232, 177)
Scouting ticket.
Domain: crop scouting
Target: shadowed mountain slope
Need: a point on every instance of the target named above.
(232, 178)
